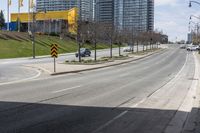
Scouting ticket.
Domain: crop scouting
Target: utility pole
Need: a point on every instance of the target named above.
(18, 17)
(44, 23)
(33, 32)
(29, 2)
(79, 32)
(8, 14)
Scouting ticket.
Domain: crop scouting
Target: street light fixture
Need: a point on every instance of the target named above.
(190, 4)
(192, 1)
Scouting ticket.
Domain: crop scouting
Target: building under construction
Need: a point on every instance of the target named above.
(46, 22)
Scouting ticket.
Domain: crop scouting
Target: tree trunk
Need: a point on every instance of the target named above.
(110, 48)
(150, 46)
(137, 47)
(132, 48)
(146, 46)
(143, 47)
(79, 51)
(95, 51)
(119, 49)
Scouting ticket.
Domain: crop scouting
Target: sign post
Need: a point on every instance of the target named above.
(54, 54)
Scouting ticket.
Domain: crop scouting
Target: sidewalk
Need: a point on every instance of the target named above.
(192, 125)
(64, 68)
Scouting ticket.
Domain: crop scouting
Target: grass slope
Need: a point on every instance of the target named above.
(14, 44)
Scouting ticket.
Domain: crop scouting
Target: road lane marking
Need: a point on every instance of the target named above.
(66, 89)
(110, 122)
(23, 80)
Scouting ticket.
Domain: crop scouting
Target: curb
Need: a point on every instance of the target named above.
(89, 69)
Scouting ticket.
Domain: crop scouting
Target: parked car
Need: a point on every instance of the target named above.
(192, 48)
(128, 49)
(198, 47)
(83, 52)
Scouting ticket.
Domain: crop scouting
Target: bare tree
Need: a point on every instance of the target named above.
(141, 38)
(138, 39)
(94, 32)
(109, 31)
(119, 38)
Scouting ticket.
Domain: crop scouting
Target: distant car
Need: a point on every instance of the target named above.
(128, 49)
(192, 48)
(183, 47)
(83, 52)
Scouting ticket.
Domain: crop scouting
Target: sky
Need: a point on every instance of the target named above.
(171, 16)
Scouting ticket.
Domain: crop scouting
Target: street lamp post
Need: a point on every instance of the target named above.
(33, 32)
(44, 23)
(190, 5)
(196, 28)
(33, 29)
(79, 31)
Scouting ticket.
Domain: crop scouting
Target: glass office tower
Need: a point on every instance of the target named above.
(104, 11)
(54, 5)
(134, 14)
(124, 14)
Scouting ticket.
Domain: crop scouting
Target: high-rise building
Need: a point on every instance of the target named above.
(150, 15)
(54, 5)
(124, 14)
(104, 11)
(87, 9)
(134, 14)
(58, 5)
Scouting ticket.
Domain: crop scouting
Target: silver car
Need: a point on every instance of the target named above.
(128, 49)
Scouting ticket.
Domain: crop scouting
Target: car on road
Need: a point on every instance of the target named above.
(183, 47)
(83, 52)
(128, 49)
(192, 48)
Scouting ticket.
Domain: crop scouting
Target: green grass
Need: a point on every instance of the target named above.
(14, 45)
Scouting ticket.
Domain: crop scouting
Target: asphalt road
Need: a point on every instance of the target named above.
(14, 69)
(139, 97)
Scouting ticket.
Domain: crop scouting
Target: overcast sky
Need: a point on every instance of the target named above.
(171, 16)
